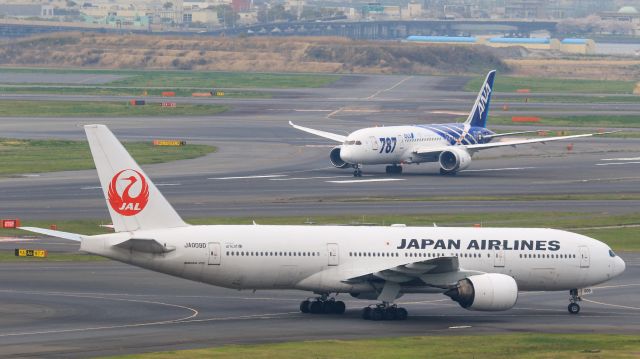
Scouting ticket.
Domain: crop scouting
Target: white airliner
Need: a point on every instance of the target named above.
(450, 144)
(480, 268)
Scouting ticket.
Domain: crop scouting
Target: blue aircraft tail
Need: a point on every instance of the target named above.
(480, 110)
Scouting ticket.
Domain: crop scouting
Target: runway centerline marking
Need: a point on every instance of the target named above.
(307, 178)
(618, 163)
(246, 177)
(622, 159)
(369, 180)
(500, 169)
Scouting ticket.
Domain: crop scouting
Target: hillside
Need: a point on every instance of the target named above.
(298, 54)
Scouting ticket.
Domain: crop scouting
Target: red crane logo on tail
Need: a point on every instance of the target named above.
(124, 203)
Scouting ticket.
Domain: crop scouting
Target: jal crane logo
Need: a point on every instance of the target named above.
(127, 203)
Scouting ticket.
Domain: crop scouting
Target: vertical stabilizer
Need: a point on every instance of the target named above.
(133, 200)
(480, 110)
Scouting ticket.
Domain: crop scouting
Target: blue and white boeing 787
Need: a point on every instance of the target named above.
(450, 144)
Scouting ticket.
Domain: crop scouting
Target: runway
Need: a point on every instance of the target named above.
(68, 310)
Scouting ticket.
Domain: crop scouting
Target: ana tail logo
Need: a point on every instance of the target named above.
(125, 203)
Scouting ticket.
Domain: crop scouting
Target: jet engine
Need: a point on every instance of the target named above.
(454, 160)
(336, 160)
(485, 292)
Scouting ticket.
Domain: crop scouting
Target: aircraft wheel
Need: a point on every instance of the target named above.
(401, 314)
(574, 308)
(315, 307)
(328, 307)
(339, 307)
(304, 306)
(366, 313)
(377, 314)
(390, 313)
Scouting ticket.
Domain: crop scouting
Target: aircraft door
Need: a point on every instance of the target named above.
(332, 250)
(584, 256)
(498, 258)
(400, 142)
(374, 143)
(214, 253)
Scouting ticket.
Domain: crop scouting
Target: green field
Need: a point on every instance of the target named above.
(121, 91)
(631, 121)
(618, 237)
(196, 79)
(101, 109)
(33, 156)
(511, 84)
(570, 99)
(522, 345)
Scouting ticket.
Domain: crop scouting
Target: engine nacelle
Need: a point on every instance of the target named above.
(336, 160)
(485, 292)
(454, 159)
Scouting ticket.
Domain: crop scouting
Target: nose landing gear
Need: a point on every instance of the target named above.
(357, 172)
(574, 307)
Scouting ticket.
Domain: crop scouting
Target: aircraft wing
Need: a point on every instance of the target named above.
(329, 135)
(430, 154)
(484, 146)
(50, 232)
(437, 272)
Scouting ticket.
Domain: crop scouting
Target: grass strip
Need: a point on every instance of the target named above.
(537, 84)
(102, 109)
(626, 121)
(184, 78)
(37, 156)
(522, 345)
(121, 91)
(616, 235)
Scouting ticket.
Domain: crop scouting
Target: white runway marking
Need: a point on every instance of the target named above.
(92, 187)
(14, 239)
(194, 313)
(617, 163)
(388, 89)
(368, 180)
(610, 305)
(622, 159)
(500, 169)
(246, 177)
(460, 327)
(307, 178)
(456, 113)
(167, 184)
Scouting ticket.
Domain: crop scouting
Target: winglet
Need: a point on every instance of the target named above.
(480, 111)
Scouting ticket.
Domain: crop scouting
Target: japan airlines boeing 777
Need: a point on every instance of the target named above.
(450, 144)
(480, 268)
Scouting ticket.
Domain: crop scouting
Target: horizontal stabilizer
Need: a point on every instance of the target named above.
(50, 232)
(145, 245)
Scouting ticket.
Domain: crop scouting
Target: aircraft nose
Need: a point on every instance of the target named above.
(620, 266)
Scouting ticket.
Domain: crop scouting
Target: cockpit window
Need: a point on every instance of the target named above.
(358, 143)
(349, 143)
(611, 254)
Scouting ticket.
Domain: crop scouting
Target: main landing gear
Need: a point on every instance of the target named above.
(384, 311)
(322, 305)
(574, 307)
(394, 169)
